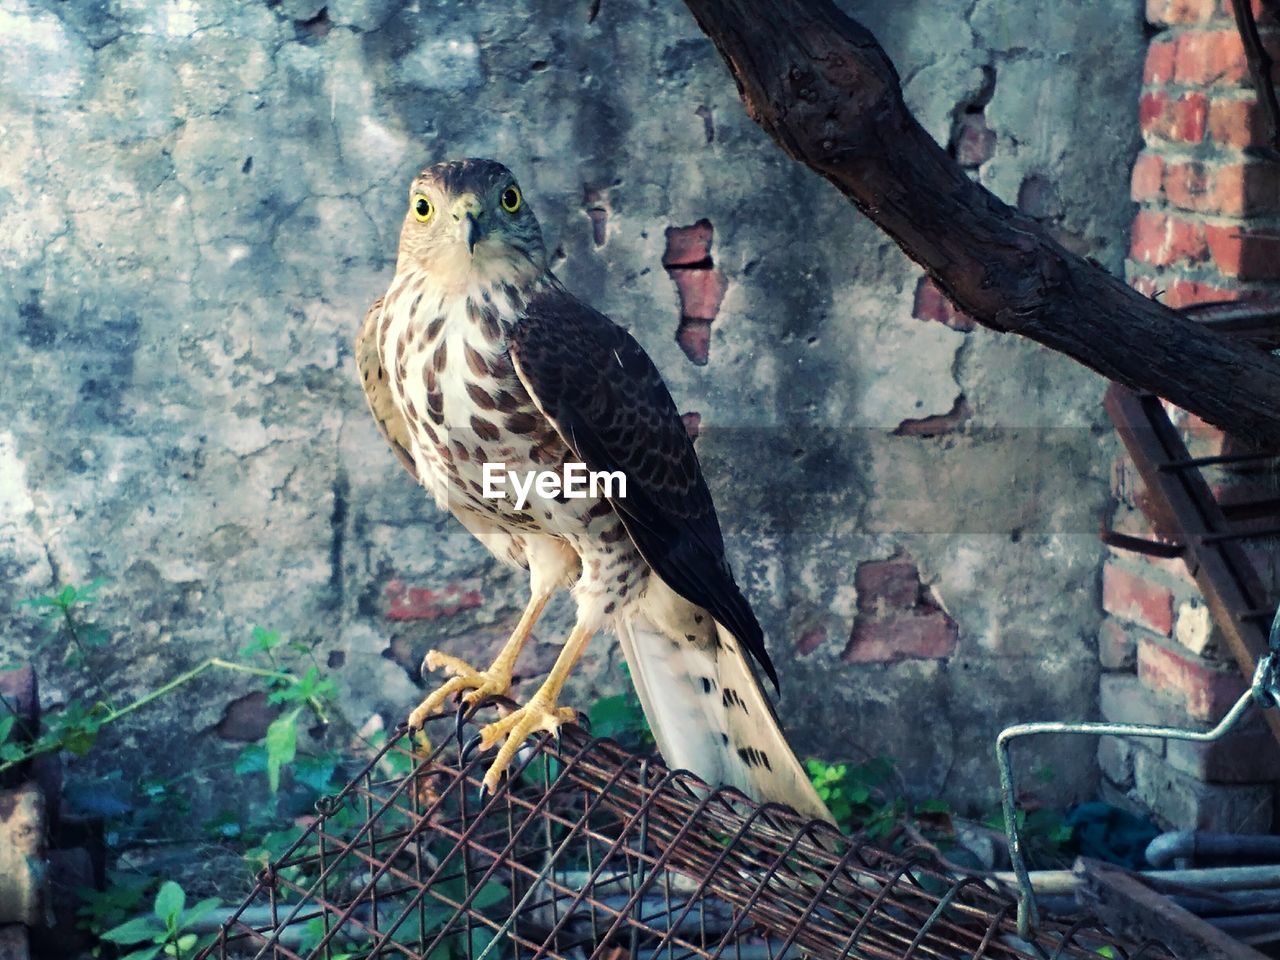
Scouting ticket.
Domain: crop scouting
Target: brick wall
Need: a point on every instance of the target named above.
(1206, 229)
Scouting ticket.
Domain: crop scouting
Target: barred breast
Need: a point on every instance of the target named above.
(453, 380)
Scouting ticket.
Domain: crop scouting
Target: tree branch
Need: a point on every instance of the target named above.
(821, 86)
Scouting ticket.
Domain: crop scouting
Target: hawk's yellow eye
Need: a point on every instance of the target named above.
(510, 199)
(422, 208)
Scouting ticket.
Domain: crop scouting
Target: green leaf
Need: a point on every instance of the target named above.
(263, 641)
(186, 942)
(170, 901)
(199, 910)
(252, 759)
(137, 930)
(282, 745)
(146, 953)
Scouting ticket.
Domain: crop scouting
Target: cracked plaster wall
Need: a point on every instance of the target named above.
(198, 200)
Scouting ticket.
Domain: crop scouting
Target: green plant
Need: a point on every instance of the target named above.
(620, 717)
(855, 795)
(74, 728)
(155, 809)
(166, 930)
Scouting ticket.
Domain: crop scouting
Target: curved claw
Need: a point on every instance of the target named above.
(470, 748)
(460, 720)
(484, 793)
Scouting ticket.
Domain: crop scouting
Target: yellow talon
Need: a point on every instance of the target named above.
(478, 684)
(538, 714)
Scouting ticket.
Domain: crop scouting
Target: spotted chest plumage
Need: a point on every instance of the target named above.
(452, 376)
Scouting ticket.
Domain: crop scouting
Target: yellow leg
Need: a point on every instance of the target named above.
(540, 713)
(496, 681)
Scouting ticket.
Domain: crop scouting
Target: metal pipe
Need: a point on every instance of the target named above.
(1204, 878)
(1263, 691)
(1193, 844)
(1028, 916)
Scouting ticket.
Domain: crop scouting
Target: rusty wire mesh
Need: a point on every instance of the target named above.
(589, 851)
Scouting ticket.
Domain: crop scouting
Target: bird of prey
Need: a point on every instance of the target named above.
(478, 355)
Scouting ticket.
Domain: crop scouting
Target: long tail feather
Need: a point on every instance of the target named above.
(710, 716)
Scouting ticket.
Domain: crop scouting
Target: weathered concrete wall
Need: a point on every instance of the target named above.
(199, 199)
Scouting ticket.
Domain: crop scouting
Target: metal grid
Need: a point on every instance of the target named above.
(592, 852)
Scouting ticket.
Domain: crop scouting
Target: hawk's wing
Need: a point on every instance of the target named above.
(377, 389)
(603, 394)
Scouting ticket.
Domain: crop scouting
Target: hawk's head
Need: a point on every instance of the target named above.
(468, 221)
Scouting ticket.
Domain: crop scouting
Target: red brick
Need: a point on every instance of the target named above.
(1117, 649)
(1162, 240)
(975, 141)
(424, 603)
(1204, 692)
(1232, 189)
(1159, 65)
(1133, 597)
(694, 337)
(1182, 293)
(1237, 122)
(1181, 11)
(938, 424)
(887, 584)
(932, 304)
(929, 636)
(1248, 255)
(700, 292)
(688, 245)
(1206, 57)
(1148, 175)
(1180, 119)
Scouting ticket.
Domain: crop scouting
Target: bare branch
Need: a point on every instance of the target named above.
(821, 86)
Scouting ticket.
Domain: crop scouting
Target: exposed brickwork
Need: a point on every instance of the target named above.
(700, 285)
(975, 142)
(1137, 598)
(897, 618)
(1198, 189)
(425, 603)
(1205, 231)
(1205, 690)
(1117, 649)
(687, 246)
(932, 304)
(939, 424)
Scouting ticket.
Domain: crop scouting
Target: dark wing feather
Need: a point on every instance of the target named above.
(607, 400)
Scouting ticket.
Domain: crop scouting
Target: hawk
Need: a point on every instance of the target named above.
(478, 355)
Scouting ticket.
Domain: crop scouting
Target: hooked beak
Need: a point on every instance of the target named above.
(466, 213)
